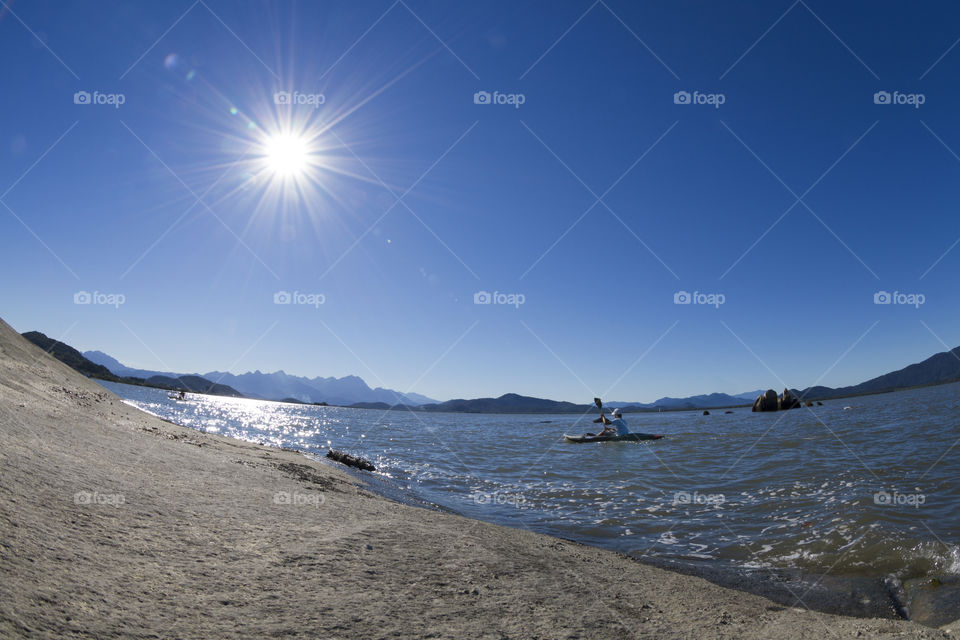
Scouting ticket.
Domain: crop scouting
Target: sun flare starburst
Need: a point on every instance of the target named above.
(286, 155)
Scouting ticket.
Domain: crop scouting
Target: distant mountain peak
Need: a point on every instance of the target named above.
(351, 389)
(280, 385)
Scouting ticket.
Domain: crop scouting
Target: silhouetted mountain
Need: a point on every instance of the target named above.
(814, 392)
(371, 405)
(513, 403)
(415, 399)
(70, 356)
(73, 358)
(707, 401)
(117, 368)
(509, 403)
(280, 385)
(343, 391)
(937, 369)
(351, 390)
(196, 384)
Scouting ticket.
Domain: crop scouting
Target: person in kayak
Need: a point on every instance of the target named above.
(615, 427)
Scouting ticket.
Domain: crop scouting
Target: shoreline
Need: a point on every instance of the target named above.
(851, 594)
(860, 597)
(115, 523)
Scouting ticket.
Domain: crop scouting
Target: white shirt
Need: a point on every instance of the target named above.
(620, 426)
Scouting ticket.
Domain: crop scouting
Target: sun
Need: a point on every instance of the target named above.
(286, 155)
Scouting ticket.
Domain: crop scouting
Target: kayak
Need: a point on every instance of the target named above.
(630, 437)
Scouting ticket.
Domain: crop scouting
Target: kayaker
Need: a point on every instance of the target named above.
(617, 426)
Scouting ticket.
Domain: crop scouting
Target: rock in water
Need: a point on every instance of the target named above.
(768, 401)
(787, 400)
(351, 461)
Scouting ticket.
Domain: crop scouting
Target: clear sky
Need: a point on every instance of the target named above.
(148, 152)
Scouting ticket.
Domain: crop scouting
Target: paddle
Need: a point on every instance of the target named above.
(599, 404)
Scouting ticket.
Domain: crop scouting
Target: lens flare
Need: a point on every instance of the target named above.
(286, 155)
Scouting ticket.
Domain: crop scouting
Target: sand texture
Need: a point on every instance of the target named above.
(114, 523)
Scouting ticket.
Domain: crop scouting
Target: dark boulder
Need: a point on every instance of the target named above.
(787, 401)
(766, 402)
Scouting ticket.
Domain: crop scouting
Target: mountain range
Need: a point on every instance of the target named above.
(940, 368)
(279, 385)
(353, 391)
(513, 403)
(70, 356)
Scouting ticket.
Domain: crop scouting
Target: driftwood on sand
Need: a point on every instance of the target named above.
(351, 461)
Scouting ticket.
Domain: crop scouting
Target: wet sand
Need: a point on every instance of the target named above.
(114, 523)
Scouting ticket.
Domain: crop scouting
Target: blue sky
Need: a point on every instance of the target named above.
(594, 202)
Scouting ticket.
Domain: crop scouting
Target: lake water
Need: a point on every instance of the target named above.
(825, 503)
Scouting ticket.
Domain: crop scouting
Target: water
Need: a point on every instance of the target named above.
(834, 498)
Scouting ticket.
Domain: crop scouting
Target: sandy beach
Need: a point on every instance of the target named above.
(114, 523)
